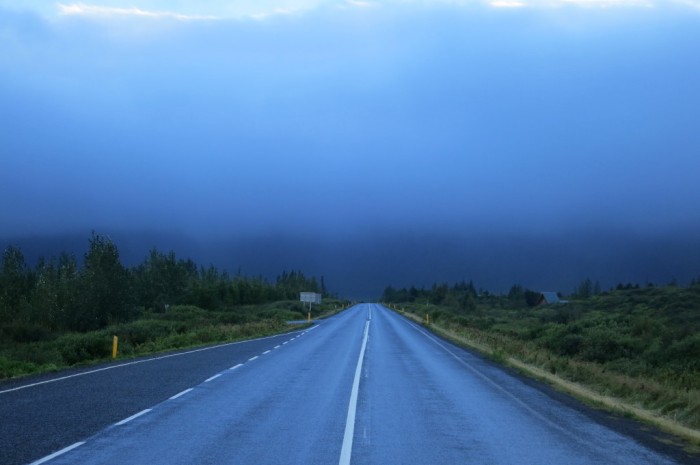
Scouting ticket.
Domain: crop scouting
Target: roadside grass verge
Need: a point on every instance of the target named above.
(673, 409)
(180, 327)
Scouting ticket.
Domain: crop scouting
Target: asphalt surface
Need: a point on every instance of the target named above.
(364, 387)
(40, 419)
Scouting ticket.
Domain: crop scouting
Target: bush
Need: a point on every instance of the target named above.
(570, 345)
(36, 353)
(79, 348)
(23, 333)
(11, 368)
(601, 345)
(142, 331)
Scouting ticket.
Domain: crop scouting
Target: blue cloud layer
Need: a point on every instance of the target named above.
(344, 121)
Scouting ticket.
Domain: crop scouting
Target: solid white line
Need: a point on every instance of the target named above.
(112, 367)
(212, 378)
(490, 381)
(132, 417)
(346, 450)
(56, 454)
(181, 394)
(234, 367)
(252, 358)
(266, 352)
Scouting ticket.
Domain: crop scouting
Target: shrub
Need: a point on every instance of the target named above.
(25, 332)
(79, 348)
(142, 331)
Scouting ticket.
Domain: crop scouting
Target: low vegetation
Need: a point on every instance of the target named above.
(640, 345)
(58, 314)
(182, 326)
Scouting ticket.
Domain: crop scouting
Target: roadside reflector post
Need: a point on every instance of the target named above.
(427, 319)
(115, 346)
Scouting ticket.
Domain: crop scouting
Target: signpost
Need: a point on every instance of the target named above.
(311, 298)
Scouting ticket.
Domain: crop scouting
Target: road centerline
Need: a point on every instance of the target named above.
(346, 450)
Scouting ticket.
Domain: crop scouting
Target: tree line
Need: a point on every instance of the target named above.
(464, 296)
(461, 295)
(60, 295)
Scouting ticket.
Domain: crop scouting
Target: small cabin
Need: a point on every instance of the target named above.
(550, 298)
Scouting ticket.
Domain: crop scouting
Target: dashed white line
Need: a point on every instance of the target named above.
(112, 367)
(181, 394)
(56, 454)
(143, 412)
(133, 417)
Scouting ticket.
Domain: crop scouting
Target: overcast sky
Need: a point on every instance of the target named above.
(355, 120)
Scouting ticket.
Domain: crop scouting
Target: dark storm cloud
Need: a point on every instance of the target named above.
(353, 131)
(360, 267)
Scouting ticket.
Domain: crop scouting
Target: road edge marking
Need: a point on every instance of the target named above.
(487, 379)
(112, 367)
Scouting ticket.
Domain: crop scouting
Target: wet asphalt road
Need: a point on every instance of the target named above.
(40, 419)
(411, 398)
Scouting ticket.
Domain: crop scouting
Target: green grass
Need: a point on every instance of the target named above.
(638, 346)
(180, 327)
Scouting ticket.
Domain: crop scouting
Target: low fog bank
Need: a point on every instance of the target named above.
(360, 267)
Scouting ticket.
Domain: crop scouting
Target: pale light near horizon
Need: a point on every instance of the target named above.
(81, 9)
(264, 10)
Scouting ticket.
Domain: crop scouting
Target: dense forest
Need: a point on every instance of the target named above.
(62, 312)
(639, 343)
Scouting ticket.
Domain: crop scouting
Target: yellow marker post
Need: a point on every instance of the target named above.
(115, 345)
(427, 319)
